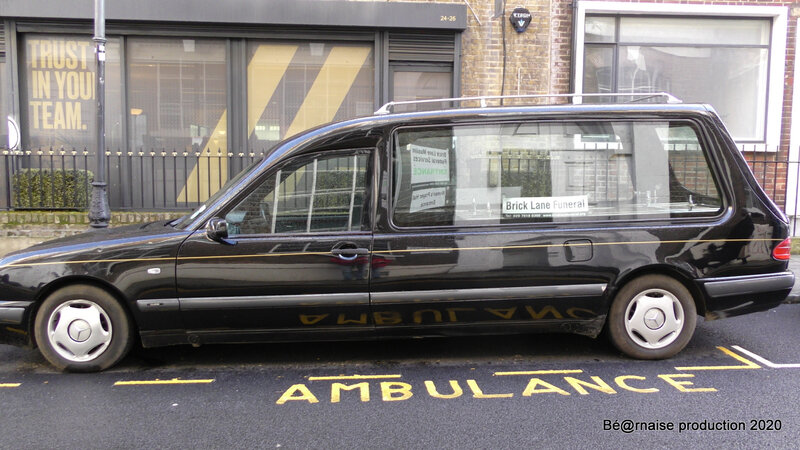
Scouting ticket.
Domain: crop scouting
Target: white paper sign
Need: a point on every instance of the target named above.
(429, 165)
(546, 205)
(427, 199)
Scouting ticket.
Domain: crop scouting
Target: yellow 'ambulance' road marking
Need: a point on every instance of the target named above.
(537, 372)
(9, 385)
(172, 381)
(354, 377)
(766, 362)
(747, 363)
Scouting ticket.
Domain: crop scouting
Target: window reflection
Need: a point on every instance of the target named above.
(325, 194)
(177, 94)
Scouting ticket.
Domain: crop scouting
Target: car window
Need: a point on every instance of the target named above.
(550, 172)
(320, 194)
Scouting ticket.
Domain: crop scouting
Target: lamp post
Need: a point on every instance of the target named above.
(99, 212)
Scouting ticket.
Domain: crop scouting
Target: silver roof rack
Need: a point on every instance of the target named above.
(668, 98)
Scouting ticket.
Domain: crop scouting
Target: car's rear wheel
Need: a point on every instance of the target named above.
(652, 317)
(82, 328)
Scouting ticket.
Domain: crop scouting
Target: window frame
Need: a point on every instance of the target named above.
(404, 66)
(617, 44)
(709, 151)
(776, 65)
(367, 211)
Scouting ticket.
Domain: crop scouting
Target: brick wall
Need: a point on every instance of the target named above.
(527, 56)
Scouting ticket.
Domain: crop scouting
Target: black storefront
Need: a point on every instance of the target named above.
(197, 88)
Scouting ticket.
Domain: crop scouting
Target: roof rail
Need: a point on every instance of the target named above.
(669, 98)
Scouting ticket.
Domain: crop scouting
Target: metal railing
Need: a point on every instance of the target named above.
(153, 180)
(170, 180)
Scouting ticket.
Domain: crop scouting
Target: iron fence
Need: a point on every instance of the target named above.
(160, 179)
(145, 180)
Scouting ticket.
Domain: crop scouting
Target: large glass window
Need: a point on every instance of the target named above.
(421, 82)
(177, 94)
(723, 62)
(292, 87)
(59, 81)
(550, 172)
(325, 194)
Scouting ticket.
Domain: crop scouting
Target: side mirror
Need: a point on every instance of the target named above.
(217, 230)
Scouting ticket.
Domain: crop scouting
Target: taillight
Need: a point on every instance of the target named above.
(783, 251)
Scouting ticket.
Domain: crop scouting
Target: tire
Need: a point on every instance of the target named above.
(82, 328)
(652, 317)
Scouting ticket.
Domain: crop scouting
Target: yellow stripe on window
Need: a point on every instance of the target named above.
(330, 88)
(264, 72)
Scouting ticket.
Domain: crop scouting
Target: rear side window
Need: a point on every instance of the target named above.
(550, 172)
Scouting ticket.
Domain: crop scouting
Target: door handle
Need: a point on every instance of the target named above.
(349, 254)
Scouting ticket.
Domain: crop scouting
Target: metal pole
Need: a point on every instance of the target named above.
(99, 212)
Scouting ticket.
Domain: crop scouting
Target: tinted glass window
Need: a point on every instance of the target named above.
(550, 172)
(707, 60)
(292, 87)
(321, 195)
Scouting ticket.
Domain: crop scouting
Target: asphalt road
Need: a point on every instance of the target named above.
(500, 392)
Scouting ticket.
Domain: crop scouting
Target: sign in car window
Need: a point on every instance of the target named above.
(562, 205)
(429, 165)
(423, 199)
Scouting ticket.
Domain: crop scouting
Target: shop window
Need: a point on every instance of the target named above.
(59, 91)
(723, 62)
(177, 94)
(415, 82)
(4, 142)
(292, 87)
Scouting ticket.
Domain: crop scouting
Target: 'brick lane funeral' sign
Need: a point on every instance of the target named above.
(429, 165)
(546, 205)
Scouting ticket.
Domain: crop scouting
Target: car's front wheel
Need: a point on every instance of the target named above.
(82, 328)
(652, 317)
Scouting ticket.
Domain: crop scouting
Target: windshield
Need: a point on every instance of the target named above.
(187, 219)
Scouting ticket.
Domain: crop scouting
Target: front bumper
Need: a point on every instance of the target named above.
(733, 296)
(13, 326)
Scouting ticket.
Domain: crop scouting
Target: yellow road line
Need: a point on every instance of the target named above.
(9, 385)
(157, 382)
(538, 372)
(354, 377)
(747, 363)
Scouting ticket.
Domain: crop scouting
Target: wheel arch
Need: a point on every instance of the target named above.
(666, 270)
(63, 282)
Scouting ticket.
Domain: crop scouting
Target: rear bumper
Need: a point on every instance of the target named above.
(732, 296)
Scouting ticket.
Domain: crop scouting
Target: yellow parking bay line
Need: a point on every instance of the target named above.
(10, 385)
(354, 377)
(747, 363)
(157, 382)
(537, 372)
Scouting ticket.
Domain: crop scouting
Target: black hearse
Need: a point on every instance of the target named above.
(627, 218)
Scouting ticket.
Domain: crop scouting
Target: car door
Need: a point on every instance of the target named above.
(296, 259)
(461, 248)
